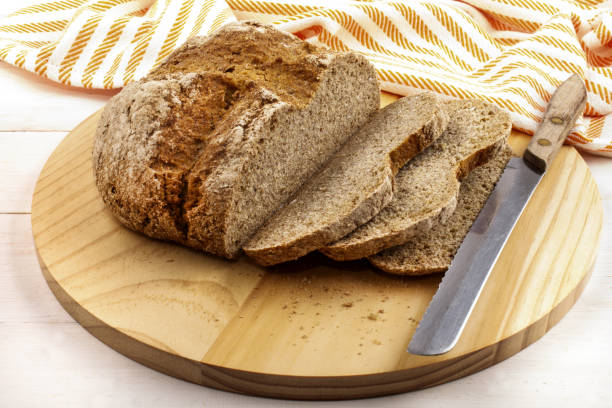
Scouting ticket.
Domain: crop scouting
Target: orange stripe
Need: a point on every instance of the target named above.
(359, 33)
(32, 44)
(407, 61)
(362, 36)
(137, 13)
(603, 34)
(220, 20)
(533, 83)
(420, 27)
(109, 76)
(42, 59)
(20, 58)
(112, 37)
(77, 46)
(53, 6)
(497, 24)
(457, 32)
(501, 87)
(332, 41)
(532, 5)
(586, 4)
(595, 127)
(452, 90)
(469, 20)
(546, 39)
(197, 26)
(103, 5)
(596, 88)
(4, 51)
(545, 59)
(396, 35)
(175, 30)
(44, 27)
(266, 8)
(506, 41)
(513, 22)
(139, 51)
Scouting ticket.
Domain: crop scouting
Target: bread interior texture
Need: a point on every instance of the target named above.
(259, 122)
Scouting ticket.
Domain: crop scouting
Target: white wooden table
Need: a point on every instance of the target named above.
(47, 359)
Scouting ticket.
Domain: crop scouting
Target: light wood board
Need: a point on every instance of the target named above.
(312, 329)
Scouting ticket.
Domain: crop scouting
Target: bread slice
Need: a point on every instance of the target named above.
(427, 187)
(434, 250)
(354, 185)
(208, 145)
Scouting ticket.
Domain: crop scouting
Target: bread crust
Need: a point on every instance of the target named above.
(172, 148)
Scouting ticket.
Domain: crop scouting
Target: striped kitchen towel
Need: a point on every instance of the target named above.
(513, 53)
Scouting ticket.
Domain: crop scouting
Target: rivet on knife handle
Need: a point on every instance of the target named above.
(557, 123)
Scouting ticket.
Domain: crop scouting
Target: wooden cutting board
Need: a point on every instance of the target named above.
(313, 329)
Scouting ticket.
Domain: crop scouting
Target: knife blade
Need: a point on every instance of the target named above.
(449, 310)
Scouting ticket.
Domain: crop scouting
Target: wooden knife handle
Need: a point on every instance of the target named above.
(564, 108)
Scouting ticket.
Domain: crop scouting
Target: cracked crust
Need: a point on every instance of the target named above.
(205, 148)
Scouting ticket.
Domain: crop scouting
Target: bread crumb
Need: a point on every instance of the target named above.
(304, 336)
(347, 304)
(381, 311)
(372, 316)
(377, 342)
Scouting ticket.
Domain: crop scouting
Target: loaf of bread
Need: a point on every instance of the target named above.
(434, 250)
(204, 149)
(427, 187)
(354, 186)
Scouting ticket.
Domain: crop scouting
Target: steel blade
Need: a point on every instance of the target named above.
(452, 304)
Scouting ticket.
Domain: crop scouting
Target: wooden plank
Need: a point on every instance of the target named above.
(25, 298)
(36, 103)
(22, 155)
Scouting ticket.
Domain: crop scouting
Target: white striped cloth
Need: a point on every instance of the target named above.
(513, 53)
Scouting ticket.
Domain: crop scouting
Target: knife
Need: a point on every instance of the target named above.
(450, 308)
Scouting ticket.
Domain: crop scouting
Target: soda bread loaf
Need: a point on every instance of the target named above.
(427, 187)
(208, 145)
(354, 185)
(434, 250)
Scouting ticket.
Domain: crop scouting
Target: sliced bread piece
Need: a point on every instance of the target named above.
(354, 185)
(434, 250)
(427, 187)
(212, 142)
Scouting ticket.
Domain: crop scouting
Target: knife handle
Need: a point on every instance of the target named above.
(566, 104)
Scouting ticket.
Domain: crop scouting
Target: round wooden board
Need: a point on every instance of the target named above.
(312, 329)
